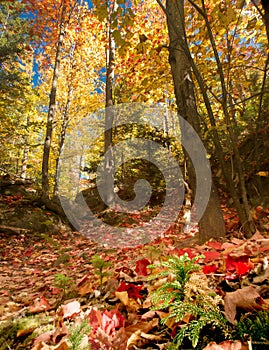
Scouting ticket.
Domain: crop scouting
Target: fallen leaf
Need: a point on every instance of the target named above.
(214, 244)
(132, 289)
(211, 256)
(45, 338)
(247, 299)
(209, 268)
(70, 309)
(123, 297)
(40, 305)
(227, 345)
(141, 267)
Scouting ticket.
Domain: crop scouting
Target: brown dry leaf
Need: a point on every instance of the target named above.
(43, 346)
(45, 337)
(119, 340)
(85, 288)
(264, 243)
(247, 299)
(123, 297)
(133, 306)
(143, 326)
(62, 346)
(147, 303)
(25, 331)
(227, 345)
(262, 278)
(134, 339)
(148, 315)
(257, 236)
(151, 336)
(60, 331)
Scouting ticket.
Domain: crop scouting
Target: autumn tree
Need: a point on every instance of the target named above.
(80, 91)
(19, 120)
(219, 59)
(211, 224)
(51, 22)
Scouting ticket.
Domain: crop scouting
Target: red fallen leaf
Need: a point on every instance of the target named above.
(141, 267)
(95, 318)
(116, 317)
(70, 309)
(112, 321)
(55, 291)
(211, 256)
(232, 262)
(132, 290)
(209, 268)
(28, 252)
(108, 329)
(40, 306)
(242, 268)
(191, 252)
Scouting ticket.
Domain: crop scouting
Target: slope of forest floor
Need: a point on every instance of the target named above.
(51, 282)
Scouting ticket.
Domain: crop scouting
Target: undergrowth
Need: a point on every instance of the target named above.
(191, 304)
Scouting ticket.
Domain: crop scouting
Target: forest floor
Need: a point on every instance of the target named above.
(50, 283)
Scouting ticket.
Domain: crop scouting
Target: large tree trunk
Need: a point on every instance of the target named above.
(52, 108)
(212, 223)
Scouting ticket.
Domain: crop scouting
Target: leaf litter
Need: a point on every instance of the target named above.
(119, 316)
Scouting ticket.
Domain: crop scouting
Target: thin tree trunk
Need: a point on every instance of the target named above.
(109, 114)
(52, 108)
(65, 120)
(25, 152)
(24, 161)
(186, 104)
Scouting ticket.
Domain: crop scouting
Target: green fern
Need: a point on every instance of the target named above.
(76, 335)
(181, 267)
(187, 293)
(101, 268)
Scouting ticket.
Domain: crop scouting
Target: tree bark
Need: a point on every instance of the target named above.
(52, 108)
(265, 5)
(110, 66)
(211, 224)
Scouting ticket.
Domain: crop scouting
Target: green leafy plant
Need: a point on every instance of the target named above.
(154, 252)
(255, 326)
(186, 293)
(64, 283)
(101, 268)
(77, 333)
